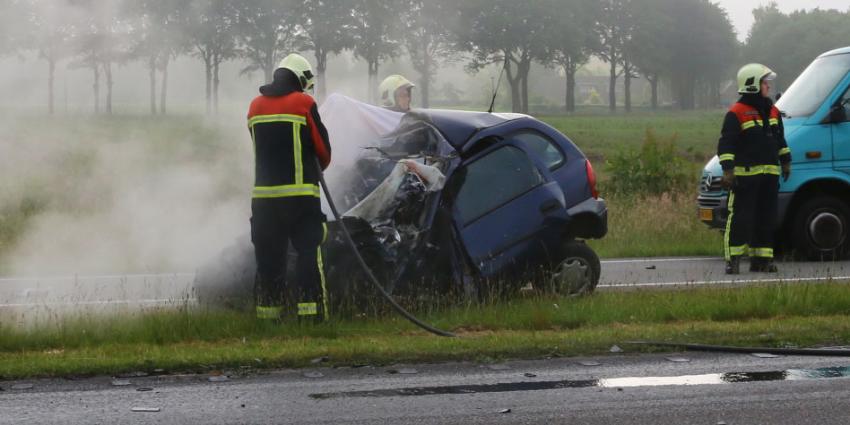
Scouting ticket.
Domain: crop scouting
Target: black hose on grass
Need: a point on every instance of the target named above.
(399, 309)
(733, 349)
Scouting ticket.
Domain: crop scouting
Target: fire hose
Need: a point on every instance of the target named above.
(369, 274)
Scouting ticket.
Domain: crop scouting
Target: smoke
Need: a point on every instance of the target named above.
(124, 195)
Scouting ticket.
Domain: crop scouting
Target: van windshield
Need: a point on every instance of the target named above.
(816, 82)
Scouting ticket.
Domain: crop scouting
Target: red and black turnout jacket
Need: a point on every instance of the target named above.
(752, 140)
(288, 134)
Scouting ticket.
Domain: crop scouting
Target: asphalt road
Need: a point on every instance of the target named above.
(683, 271)
(687, 388)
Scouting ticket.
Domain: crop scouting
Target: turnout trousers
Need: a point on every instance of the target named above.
(752, 216)
(275, 222)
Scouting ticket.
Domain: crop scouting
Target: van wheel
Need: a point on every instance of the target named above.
(821, 228)
(577, 273)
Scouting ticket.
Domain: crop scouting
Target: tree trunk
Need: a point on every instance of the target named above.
(208, 71)
(107, 66)
(216, 81)
(373, 80)
(51, 73)
(96, 87)
(152, 79)
(627, 89)
(570, 101)
(653, 84)
(524, 69)
(514, 81)
(321, 67)
(612, 86)
(164, 89)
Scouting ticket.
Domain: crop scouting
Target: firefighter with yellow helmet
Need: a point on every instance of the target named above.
(395, 93)
(753, 154)
(288, 137)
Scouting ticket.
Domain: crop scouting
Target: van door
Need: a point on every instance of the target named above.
(841, 133)
(503, 207)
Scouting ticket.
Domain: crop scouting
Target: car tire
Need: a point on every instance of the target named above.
(576, 273)
(821, 229)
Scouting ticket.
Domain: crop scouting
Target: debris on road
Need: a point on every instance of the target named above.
(765, 355)
(529, 375)
(218, 378)
(145, 409)
(616, 349)
(589, 363)
(120, 383)
(503, 411)
(678, 359)
(313, 375)
(318, 360)
(144, 389)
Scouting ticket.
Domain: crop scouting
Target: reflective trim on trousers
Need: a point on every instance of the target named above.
(308, 309)
(286, 190)
(761, 252)
(726, 249)
(264, 312)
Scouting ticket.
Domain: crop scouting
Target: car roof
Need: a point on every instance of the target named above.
(458, 126)
(841, 51)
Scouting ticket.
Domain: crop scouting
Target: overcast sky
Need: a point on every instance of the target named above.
(740, 12)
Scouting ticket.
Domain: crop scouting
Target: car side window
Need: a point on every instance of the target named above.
(493, 180)
(543, 147)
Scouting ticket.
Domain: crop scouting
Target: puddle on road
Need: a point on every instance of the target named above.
(706, 379)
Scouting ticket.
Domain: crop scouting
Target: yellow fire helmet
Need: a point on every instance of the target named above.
(301, 68)
(750, 76)
(388, 87)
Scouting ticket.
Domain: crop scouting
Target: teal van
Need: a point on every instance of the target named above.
(814, 204)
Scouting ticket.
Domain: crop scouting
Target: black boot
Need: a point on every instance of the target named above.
(763, 265)
(733, 266)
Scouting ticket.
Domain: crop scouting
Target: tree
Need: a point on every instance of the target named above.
(614, 30)
(505, 32)
(810, 32)
(650, 45)
(158, 36)
(375, 35)
(267, 30)
(99, 41)
(50, 31)
(570, 44)
(326, 25)
(211, 33)
(426, 35)
(699, 26)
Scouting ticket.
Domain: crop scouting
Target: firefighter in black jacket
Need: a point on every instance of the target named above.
(288, 136)
(753, 154)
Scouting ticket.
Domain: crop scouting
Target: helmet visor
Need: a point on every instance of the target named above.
(770, 76)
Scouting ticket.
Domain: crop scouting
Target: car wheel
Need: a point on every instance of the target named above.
(577, 272)
(821, 228)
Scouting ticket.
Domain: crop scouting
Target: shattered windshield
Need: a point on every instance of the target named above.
(817, 81)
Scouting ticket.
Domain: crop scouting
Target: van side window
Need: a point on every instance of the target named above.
(543, 147)
(493, 180)
(845, 103)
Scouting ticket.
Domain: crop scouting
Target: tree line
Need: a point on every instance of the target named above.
(688, 44)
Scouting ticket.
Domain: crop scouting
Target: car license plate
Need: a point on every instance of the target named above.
(706, 214)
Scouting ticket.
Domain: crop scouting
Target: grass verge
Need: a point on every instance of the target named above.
(778, 315)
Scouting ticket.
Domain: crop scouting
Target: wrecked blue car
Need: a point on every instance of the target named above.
(455, 202)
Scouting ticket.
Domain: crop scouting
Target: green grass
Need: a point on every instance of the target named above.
(802, 315)
(599, 136)
(660, 225)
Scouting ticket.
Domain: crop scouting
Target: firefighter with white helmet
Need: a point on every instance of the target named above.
(395, 93)
(753, 154)
(288, 137)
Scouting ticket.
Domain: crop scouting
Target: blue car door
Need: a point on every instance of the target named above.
(841, 134)
(504, 208)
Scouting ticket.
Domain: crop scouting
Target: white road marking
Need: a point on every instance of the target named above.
(103, 302)
(659, 260)
(710, 282)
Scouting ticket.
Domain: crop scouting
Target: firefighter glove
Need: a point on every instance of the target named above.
(786, 171)
(728, 180)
